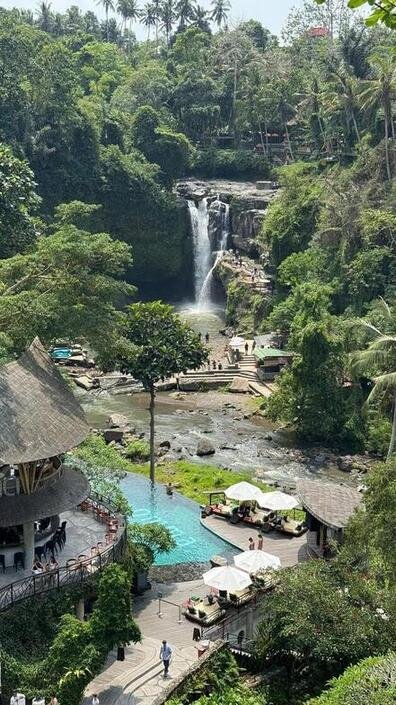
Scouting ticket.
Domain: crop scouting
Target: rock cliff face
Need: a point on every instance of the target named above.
(247, 207)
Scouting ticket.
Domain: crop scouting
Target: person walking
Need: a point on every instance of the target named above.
(165, 656)
(251, 544)
(95, 699)
(246, 348)
(207, 337)
(259, 542)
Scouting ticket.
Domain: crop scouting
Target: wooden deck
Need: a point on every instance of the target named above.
(290, 550)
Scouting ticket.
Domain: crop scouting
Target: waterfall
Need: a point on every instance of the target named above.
(201, 244)
(203, 267)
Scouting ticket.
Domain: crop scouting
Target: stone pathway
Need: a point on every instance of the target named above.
(139, 679)
(290, 550)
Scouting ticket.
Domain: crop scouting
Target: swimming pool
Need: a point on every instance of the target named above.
(60, 353)
(194, 543)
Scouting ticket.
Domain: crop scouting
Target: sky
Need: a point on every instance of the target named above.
(272, 13)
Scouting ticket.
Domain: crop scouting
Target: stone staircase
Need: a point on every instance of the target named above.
(213, 379)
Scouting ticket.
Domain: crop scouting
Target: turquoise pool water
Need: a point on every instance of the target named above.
(194, 543)
(60, 353)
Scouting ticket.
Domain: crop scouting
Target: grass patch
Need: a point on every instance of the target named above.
(194, 480)
(138, 450)
(191, 479)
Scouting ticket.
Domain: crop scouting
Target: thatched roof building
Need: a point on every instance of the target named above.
(330, 504)
(39, 415)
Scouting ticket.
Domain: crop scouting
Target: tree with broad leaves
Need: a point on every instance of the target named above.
(154, 344)
(384, 11)
(379, 359)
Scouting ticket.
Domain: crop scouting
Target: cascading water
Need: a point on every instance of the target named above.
(203, 269)
(199, 216)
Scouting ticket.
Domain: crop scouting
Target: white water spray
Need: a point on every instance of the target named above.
(204, 265)
(204, 298)
(199, 216)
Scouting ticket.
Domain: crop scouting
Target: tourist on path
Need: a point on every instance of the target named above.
(207, 337)
(259, 542)
(251, 544)
(165, 656)
(246, 348)
(95, 699)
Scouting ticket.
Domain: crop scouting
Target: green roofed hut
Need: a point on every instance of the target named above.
(270, 361)
(40, 419)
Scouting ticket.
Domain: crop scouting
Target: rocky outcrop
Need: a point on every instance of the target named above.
(247, 207)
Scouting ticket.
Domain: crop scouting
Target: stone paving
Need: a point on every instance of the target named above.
(139, 679)
(290, 550)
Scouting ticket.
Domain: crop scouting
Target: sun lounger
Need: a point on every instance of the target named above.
(204, 614)
(240, 597)
(291, 527)
(222, 510)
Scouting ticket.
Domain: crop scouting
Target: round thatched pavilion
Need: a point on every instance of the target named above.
(40, 419)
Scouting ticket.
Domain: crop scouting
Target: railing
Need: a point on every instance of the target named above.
(68, 576)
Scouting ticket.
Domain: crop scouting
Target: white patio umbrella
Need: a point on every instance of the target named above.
(277, 500)
(243, 492)
(253, 561)
(227, 578)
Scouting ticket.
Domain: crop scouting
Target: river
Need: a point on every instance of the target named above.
(241, 443)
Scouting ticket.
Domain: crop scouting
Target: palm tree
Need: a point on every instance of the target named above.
(200, 17)
(342, 97)
(184, 12)
(380, 355)
(167, 17)
(148, 17)
(108, 5)
(123, 11)
(379, 92)
(45, 16)
(220, 11)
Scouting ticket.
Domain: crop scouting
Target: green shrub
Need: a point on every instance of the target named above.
(230, 163)
(138, 450)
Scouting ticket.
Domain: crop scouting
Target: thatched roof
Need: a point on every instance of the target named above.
(53, 498)
(331, 504)
(39, 415)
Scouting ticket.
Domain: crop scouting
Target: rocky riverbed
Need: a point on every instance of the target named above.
(221, 429)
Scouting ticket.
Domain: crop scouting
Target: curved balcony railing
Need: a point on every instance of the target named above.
(70, 575)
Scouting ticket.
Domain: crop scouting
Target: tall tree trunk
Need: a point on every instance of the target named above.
(266, 138)
(355, 127)
(388, 169)
(289, 143)
(107, 23)
(262, 141)
(392, 442)
(152, 432)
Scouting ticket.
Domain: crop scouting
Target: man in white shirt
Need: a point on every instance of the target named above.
(165, 656)
(95, 699)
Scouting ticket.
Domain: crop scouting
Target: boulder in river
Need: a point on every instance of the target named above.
(205, 447)
(113, 435)
(118, 421)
